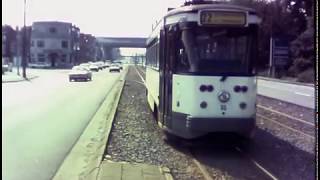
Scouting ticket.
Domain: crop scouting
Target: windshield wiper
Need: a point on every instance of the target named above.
(223, 78)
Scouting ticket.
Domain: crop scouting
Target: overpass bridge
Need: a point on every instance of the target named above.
(108, 47)
(118, 42)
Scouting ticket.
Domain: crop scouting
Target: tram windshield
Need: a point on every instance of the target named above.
(215, 50)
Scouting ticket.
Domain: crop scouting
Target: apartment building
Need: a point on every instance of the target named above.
(54, 44)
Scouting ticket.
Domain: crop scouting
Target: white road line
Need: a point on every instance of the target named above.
(285, 126)
(258, 165)
(286, 115)
(302, 94)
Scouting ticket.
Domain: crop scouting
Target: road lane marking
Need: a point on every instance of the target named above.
(302, 94)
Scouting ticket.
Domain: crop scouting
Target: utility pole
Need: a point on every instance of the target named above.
(271, 64)
(24, 59)
(18, 49)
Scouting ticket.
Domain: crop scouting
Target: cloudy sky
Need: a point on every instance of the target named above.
(98, 17)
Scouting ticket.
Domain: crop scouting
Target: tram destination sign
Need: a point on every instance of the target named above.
(222, 18)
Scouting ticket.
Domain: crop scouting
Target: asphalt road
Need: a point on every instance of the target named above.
(42, 120)
(292, 93)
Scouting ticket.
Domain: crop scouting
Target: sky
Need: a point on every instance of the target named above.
(126, 18)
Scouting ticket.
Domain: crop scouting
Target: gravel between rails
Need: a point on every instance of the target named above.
(135, 137)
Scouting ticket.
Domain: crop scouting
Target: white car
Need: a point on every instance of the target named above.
(81, 73)
(94, 67)
(98, 64)
(107, 64)
(7, 67)
(114, 67)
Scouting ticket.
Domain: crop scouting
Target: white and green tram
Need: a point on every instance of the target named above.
(200, 70)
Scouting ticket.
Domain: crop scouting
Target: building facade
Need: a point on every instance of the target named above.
(54, 44)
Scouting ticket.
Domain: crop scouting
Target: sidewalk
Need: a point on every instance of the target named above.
(13, 77)
(129, 171)
(288, 81)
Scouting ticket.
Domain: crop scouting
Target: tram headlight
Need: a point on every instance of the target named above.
(237, 88)
(244, 88)
(210, 88)
(203, 104)
(203, 88)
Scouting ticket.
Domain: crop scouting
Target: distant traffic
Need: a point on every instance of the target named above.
(83, 72)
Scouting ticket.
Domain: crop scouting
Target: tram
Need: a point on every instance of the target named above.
(200, 69)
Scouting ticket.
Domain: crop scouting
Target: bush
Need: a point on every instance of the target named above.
(307, 76)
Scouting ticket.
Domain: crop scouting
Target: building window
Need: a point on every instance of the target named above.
(41, 58)
(63, 58)
(52, 30)
(40, 43)
(64, 44)
(32, 43)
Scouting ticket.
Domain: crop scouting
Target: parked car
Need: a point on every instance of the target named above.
(99, 64)
(114, 67)
(6, 67)
(106, 64)
(94, 68)
(80, 73)
(119, 64)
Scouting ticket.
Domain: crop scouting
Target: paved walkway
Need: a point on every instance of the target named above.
(14, 77)
(127, 171)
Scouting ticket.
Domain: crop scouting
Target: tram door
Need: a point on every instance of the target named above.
(166, 65)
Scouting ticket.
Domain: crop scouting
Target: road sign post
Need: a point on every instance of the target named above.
(279, 54)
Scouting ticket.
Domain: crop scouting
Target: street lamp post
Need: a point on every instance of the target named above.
(24, 60)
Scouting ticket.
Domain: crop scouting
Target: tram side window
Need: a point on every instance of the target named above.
(153, 56)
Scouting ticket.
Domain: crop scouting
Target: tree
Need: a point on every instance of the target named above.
(281, 18)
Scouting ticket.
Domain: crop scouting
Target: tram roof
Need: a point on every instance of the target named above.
(197, 7)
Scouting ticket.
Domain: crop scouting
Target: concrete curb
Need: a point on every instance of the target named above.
(19, 80)
(285, 81)
(83, 161)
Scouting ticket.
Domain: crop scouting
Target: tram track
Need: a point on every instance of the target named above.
(207, 175)
(285, 115)
(286, 127)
